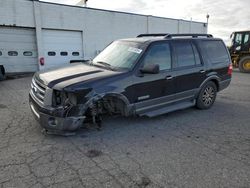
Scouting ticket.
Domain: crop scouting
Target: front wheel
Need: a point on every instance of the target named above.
(206, 96)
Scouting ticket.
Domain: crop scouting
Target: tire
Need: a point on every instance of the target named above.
(244, 64)
(207, 96)
(2, 73)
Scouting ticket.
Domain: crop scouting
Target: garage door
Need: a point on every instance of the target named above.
(18, 51)
(60, 47)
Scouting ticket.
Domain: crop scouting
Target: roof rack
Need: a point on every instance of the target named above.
(167, 35)
(189, 35)
(153, 35)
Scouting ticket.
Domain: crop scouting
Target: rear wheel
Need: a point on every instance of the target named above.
(207, 96)
(244, 64)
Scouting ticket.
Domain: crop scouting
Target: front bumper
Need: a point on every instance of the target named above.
(52, 123)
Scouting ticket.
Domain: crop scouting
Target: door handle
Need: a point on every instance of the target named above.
(202, 71)
(169, 77)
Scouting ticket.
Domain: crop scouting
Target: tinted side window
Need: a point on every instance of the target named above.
(184, 54)
(1, 53)
(216, 51)
(159, 54)
(196, 54)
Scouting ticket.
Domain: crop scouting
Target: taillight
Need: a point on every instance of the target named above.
(41, 60)
(230, 69)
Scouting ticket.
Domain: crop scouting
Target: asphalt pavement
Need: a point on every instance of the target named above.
(188, 148)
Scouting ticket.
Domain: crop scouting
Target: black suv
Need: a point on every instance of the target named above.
(149, 75)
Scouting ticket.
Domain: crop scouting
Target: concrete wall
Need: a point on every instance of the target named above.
(99, 27)
(17, 13)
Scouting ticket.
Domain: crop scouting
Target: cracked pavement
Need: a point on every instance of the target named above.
(187, 148)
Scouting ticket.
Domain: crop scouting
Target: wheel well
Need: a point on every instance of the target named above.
(108, 105)
(216, 83)
(116, 104)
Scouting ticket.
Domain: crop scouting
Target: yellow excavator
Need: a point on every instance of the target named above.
(240, 50)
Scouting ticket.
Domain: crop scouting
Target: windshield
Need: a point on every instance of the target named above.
(119, 55)
(238, 38)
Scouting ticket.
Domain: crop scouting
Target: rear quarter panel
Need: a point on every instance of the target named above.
(219, 69)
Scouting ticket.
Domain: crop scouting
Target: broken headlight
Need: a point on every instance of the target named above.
(70, 100)
(57, 98)
(64, 99)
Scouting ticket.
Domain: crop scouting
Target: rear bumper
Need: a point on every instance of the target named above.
(55, 124)
(224, 84)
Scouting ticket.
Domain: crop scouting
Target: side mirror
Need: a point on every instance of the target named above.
(150, 69)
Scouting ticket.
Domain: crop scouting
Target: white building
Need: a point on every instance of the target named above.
(32, 32)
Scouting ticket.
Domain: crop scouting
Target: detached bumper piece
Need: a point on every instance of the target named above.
(65, 126)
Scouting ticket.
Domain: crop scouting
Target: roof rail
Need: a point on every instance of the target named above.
(153, 35)
(189, 35)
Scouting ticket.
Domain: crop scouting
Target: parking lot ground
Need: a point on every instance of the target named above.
(187, 148)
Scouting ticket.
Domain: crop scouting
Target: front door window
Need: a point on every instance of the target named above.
(159, 54)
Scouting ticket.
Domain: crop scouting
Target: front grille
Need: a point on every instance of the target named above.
(38, 90)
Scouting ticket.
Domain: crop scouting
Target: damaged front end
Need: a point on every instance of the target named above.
(59, 112)
(65, 111)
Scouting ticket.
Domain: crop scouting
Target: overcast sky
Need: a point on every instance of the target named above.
(226, 16)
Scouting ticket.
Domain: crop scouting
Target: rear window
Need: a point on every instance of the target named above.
(216, 51)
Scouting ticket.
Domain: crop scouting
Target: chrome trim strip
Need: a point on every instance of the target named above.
(35, 97)
(38, 87)
(34, 111)
(40, 96)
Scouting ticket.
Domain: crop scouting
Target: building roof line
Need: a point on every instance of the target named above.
(121, 12)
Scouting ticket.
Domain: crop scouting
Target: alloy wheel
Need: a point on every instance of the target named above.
(208, 96)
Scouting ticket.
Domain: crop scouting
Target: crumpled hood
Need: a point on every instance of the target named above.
(72, 74)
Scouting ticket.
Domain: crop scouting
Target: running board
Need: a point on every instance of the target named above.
(170, 108)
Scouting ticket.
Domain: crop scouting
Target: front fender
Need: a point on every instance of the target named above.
(95, 97)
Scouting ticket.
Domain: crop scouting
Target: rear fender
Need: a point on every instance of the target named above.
(213, 78)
